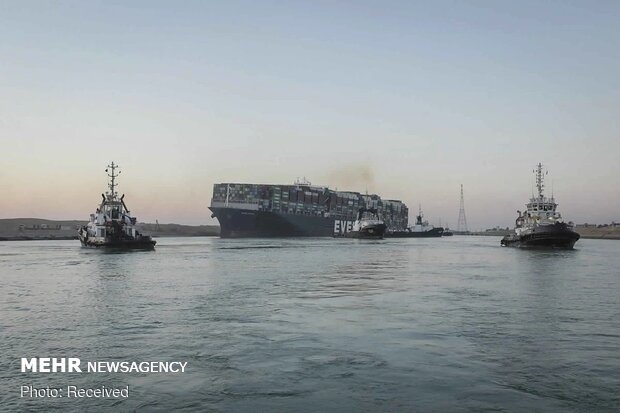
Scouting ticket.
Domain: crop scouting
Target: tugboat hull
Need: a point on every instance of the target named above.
(557, 236)
(369, 232)
(432, 233)
(141, 242)
(125, 245)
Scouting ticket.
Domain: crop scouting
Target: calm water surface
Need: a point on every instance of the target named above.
(455, 324)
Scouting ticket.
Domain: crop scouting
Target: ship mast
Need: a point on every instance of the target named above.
(539, 180)
(112, 176)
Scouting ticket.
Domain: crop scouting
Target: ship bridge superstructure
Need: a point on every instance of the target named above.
(112, 208)
(540, 210)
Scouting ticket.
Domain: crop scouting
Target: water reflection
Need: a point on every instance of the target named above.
(326, 324)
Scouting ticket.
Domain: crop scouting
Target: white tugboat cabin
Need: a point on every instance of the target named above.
(541, 210)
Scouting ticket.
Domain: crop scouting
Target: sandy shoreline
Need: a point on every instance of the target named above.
(589, 232)
(28, 229)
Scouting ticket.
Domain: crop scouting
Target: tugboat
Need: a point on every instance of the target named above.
(368, 225)
(111, 225)
(420, 229)
(541, 225)
(447, 232)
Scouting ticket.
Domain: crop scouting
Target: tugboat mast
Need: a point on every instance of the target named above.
(112, 176)
(539, 180)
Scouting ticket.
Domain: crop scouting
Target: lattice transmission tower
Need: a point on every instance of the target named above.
(462, 225)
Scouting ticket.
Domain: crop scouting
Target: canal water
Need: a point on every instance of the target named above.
(455, 324)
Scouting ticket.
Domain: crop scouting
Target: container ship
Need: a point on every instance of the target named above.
(298, 210)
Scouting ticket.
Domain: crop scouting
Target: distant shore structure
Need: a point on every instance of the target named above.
(461, 227)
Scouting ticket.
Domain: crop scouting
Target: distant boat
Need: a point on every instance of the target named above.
(367, 225)
(111, 225)
(419, 230)
(447, 232)
(541, 225)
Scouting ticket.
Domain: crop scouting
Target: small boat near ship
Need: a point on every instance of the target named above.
(368, 225)
(541, 225)
(420, 229)
(447, 232)
(111, 226)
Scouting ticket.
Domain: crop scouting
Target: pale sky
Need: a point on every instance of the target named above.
(405, 99)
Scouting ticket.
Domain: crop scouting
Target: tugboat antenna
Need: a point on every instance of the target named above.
(539, 180)
(112, 176)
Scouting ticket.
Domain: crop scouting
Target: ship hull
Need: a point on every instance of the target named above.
(433, 233)
(142, 243)
(241, 223)
(554, 236)
(368, 232)
(125, 245)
